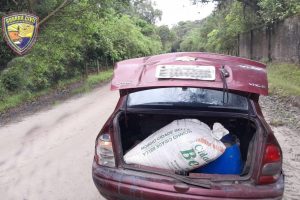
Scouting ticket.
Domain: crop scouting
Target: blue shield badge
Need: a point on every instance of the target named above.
(20, 31)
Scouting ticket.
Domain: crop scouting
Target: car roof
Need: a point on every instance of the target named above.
(140, 73)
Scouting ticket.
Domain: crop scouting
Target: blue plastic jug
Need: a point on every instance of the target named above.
(230, 162)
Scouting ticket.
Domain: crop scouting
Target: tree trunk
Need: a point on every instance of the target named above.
(98, 67)
(86, 70)
(106, 64)
(30, 6)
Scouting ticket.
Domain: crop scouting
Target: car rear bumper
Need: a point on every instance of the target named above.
(127, 184)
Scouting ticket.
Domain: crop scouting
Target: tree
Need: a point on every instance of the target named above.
(274, 10)
(145, 10)
(76, 34)
(167, 37)
(250, 3)
(219, 31)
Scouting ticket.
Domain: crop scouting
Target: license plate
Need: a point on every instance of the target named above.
(207, 73)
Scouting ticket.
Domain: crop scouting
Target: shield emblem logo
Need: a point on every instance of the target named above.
(20, 31)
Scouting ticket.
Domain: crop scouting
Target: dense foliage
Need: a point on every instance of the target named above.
(219, 32)
(75, 38)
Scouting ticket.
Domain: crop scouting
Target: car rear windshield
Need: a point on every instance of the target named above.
(187, 97)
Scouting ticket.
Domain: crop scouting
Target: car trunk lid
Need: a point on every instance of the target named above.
(203, 70)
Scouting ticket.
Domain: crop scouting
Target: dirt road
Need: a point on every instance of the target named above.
(48, 155)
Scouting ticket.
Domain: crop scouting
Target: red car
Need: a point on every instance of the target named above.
(157, 90)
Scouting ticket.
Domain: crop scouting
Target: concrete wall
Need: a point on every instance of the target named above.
(281, 42)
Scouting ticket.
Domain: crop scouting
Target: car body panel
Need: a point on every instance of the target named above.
(127, 184)
(245, 75)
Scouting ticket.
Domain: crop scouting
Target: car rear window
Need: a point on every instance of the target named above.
(187, 97)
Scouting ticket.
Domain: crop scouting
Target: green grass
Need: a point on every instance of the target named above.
(284, 79)
(15, 100)
(93, 80)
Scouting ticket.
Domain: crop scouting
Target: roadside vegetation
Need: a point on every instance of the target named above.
(76, 39)
(84, 85)
(284, 79)
(93, 80)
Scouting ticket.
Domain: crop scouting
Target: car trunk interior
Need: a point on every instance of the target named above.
(134, 127)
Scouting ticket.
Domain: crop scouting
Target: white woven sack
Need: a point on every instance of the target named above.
(181, 145)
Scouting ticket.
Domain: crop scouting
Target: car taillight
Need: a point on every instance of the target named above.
(272, 165)
(104, 151)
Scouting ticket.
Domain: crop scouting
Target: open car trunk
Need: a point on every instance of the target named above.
(134, 127)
